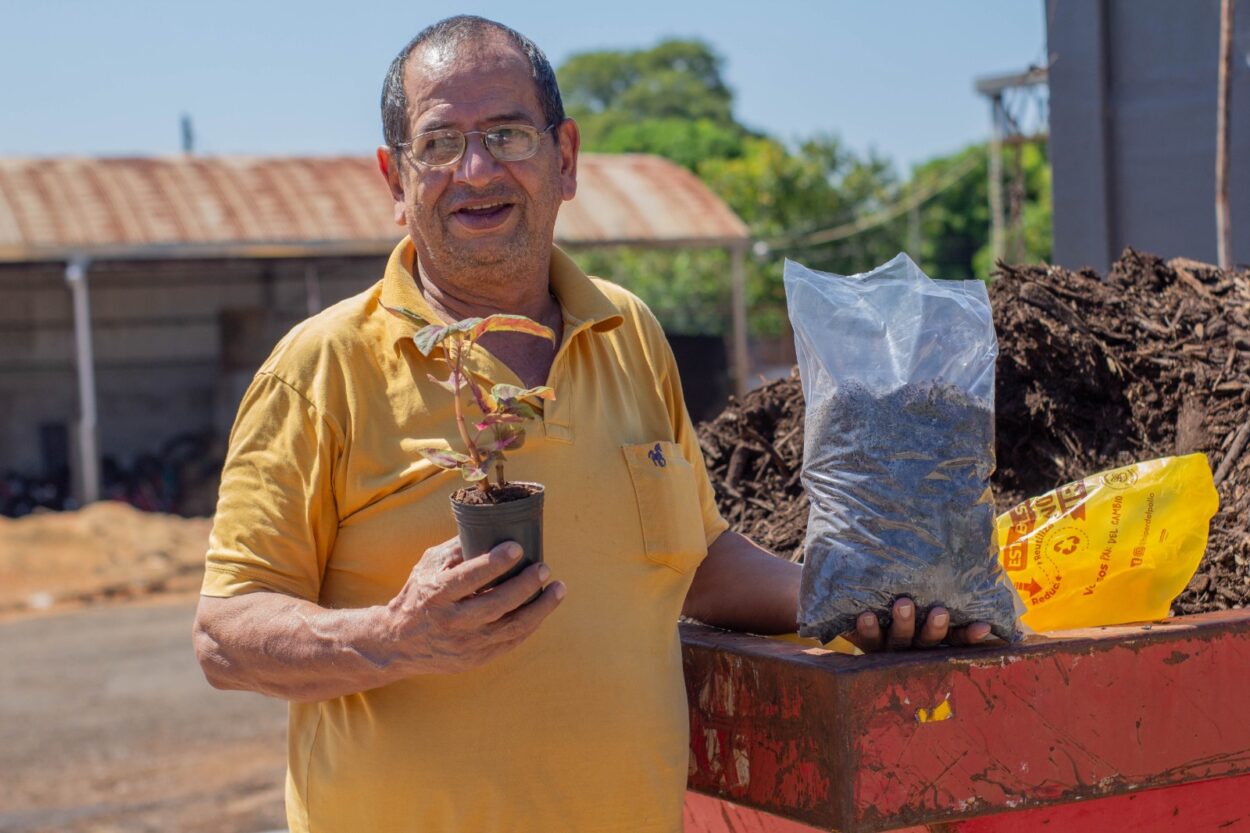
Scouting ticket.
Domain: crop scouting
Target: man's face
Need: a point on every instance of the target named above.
(472, 217)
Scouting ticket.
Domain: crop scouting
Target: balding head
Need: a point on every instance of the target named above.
(440, 43)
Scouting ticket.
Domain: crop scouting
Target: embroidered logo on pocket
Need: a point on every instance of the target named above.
(670, 515)
(657, 456)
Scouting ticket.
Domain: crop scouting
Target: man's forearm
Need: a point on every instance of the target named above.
(438, 623)
(742, 586)
(292, 648)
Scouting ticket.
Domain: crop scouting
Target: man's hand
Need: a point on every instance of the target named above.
(442, 621)
(741, 586)
(934, 630)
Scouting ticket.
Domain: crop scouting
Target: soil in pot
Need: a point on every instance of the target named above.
(488, 518)
(474, 496)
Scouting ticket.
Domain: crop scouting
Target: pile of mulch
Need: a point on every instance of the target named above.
(1092, 374)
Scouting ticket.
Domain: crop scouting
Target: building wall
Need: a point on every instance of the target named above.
(1133, 86)
(175, 344)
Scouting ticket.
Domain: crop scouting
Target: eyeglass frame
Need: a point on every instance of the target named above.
(464, 136)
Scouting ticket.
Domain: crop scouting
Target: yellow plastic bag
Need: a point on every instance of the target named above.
(1112, 548)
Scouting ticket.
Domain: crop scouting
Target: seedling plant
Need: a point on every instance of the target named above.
(504, 410)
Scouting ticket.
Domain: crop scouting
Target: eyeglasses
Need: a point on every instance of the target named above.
(506, 142)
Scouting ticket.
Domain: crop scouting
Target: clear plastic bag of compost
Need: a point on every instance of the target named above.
(898, 378)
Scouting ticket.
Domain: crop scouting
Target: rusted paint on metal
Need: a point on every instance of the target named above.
(1080, 716)
(1217, 806)
(195, 200)
(732, 695)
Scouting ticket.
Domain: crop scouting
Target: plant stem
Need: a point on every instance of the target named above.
(457, 377)
(499, 481)
(470, 446)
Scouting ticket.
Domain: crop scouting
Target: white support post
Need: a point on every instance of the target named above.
(87, 480)
(742, 362)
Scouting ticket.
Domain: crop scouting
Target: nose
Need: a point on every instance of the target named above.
(477, 166)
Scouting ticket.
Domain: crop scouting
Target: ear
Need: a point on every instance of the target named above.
(388, 164)
(570, 144)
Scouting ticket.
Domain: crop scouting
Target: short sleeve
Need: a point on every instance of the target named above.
(276, 512)
(684, 436)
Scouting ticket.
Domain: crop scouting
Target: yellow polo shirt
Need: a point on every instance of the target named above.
(324, 496)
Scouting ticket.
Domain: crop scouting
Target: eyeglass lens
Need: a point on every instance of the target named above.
(507, 143)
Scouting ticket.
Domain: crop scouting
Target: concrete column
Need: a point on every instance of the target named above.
(1082, 144)
(87, 476)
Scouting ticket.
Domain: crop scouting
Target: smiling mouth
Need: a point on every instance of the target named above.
(484, 216)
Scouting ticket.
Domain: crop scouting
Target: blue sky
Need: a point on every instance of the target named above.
(113, 76)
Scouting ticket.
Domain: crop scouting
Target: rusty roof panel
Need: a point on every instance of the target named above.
(635, 197)
(80, 204)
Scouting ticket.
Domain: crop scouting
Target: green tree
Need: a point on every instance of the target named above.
(679, 79)
(956, 222)
(669, 100)
(786, 195)
(672, 100)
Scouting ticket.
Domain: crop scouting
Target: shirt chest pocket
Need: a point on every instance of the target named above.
(669, 513)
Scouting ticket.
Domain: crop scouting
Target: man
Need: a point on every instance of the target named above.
(334, 580)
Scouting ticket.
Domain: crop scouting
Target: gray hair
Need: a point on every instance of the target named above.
(451, 34)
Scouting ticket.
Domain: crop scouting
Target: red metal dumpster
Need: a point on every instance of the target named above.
(1146, 726)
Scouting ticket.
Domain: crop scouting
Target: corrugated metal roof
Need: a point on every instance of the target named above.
(55, 207)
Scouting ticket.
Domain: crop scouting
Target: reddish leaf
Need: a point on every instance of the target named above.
(464, 325)
(501, 323)
(498, 418)
(474, 473)
(478, 396)
(508, 437)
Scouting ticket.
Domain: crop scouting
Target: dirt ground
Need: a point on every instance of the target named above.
(106, 723)
(108, 550)
(108, 726)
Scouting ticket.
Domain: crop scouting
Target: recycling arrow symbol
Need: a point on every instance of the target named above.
(1032, 588)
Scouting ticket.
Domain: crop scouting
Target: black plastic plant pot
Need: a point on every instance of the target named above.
(484, 526)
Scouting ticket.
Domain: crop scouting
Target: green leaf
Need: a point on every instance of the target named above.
(444, 457)
(523, 410)
(511, 393)
(501, 323)
(407, 314)
(429, 337)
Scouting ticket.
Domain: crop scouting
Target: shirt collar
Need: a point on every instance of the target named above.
(583, 303)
